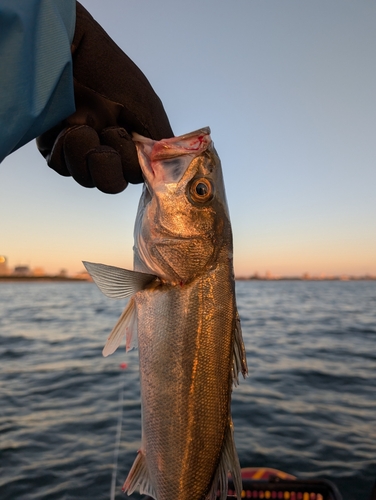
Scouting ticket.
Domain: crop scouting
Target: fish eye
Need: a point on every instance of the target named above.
(201, 190)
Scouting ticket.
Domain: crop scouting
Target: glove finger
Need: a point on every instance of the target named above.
(45, 142)
(148, 119)
(78, 141)
(50, 145)
(119, 139)
(106, 170)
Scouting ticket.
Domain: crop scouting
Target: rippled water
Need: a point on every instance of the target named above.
(308, 406)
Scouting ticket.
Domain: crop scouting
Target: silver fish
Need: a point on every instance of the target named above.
(183, 311)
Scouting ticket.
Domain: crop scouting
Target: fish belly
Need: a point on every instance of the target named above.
(186, 352)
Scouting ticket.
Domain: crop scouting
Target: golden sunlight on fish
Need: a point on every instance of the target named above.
(183, 311)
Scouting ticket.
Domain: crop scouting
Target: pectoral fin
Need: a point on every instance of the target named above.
(117, 283)
(240, 359)
(126, 326)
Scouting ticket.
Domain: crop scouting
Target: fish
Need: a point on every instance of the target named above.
(182, 313)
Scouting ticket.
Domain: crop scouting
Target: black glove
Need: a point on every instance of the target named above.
(113, 99)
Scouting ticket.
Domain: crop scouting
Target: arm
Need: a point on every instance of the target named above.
(41, 46)
(36, 82)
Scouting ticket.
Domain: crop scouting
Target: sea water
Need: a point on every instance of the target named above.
(308, 406)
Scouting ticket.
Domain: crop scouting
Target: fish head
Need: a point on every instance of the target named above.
(182, 225)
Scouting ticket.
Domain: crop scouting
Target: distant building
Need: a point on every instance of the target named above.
(4, 269)
(38, 271)
(21, 271)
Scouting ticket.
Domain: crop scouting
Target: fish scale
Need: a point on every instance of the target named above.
(185, 383)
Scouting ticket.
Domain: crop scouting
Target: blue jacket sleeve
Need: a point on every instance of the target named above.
(36, 80)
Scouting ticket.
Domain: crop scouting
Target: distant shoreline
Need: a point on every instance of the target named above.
(311, 278)
(63, 279)
(5, 279)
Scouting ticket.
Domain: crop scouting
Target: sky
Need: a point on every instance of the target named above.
(288, 90)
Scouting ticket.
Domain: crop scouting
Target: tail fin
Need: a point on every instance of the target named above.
(229, 462)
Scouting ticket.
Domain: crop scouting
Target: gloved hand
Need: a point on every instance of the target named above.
(113, 99)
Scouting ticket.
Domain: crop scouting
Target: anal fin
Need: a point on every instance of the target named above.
(138, 478)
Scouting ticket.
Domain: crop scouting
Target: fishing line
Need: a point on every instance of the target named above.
(118, 433)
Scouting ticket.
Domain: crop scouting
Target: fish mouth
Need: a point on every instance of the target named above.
(166, 161)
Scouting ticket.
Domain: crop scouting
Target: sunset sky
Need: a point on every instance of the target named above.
(288, 89)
